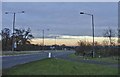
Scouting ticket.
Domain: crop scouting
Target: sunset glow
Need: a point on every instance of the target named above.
(70, 40)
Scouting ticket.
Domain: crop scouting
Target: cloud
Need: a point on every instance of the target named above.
(62, 18)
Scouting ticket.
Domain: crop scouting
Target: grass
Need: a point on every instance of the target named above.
(60, 67)
(102, 59)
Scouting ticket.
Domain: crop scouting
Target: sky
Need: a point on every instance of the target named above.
(61, 18)
(60, 0)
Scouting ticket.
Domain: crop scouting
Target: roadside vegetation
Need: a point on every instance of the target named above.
(60, 67)
(112, 59)
(22, 41)
(107, 49)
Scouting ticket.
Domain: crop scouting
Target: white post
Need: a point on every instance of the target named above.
(15, 45)
(49, 55)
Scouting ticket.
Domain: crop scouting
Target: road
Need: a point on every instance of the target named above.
(10, 61)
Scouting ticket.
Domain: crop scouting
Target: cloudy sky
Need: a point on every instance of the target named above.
(62, 18)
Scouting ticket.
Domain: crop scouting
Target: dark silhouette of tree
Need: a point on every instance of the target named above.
(23, 36)
(109, 33)
(111, 50)
(5, 33)
(6, 40)
(84, 48)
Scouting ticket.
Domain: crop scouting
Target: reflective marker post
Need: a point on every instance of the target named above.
(49, 55)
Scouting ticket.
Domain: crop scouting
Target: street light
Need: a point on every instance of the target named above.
(43, 31)
(93, 51)
(14, 15)
(55, 41)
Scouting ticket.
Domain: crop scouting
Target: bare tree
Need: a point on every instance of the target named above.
(109, 33)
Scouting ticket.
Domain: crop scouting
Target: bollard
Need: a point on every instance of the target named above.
(99, 56)
(49, 55)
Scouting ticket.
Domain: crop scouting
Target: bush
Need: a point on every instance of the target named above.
(103, 51)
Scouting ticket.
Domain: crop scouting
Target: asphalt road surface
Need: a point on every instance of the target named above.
(10, 61)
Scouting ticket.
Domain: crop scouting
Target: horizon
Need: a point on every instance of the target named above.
(63, 19)
(71, 41)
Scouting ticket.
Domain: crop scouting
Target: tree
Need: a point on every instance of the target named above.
(111, 50)
(6, 40)
(23, 36)
(84, 48)
(109, 33)
(5, 33)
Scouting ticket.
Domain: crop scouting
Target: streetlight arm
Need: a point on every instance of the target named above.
(14, 12)
(86, 13)
(9, 12)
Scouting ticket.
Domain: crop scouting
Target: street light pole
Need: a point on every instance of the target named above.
(43, 39)
(13, 40)
(14, 16)
(93, 36)
(93, 49)
(55, 42)
(43, 32)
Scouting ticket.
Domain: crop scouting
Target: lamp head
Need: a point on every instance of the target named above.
(6, 12)
(81, 12)
(23, 11)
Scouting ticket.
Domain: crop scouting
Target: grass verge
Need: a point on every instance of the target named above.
(60, 67)
(102, 59)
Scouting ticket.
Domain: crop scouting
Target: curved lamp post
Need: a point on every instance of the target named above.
(93, 51)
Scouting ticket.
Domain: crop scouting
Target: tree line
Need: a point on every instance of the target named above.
(108, 48)
(22, 39)
(20, 36)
